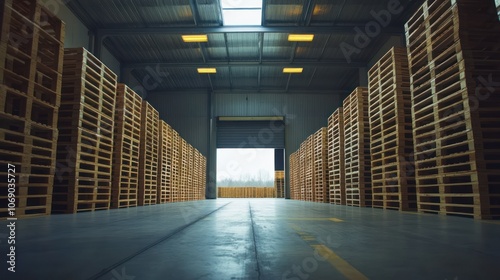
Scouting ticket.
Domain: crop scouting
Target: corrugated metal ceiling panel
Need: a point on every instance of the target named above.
(273, 77)
(243, 46)
(276, 46)
(284, 11)
(244, 77)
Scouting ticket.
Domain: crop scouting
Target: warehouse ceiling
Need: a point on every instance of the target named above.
(145, 35)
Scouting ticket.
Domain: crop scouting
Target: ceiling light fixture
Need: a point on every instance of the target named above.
(293, 70)
(195, 38)
(300, 37)
(207, 70)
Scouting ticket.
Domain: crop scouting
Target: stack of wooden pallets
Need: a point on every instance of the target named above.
(453, 59)
(294, 174)
(393, 179)
(279, 183)
(176, 154)
(127, 136)
(31, 60)
(357, 148)
(148, 164)
(309, 168)
(164, 176)
(191, 183)
(302, 171)
(320, 166)
(85, 143)
(336, 157)
(203, 175)
(245, 192)
(184, 161)
(197, 179)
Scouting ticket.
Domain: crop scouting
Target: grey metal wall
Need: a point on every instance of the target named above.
(188, 113)
(77, 34)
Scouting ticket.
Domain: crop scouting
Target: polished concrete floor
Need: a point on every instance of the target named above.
(252, 239)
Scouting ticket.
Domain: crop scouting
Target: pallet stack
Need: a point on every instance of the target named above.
(148, 164)
(279, 183)
(127, 136)
(357, 148)
(393, 179)
(176, 154)
(184, 161)
(336, 157)
(164, 176)
(31, 60)
(190, 177)
(85, 143)
(320, 166)
(245, 192)
(309, 169)
(302, 171)
(203, 175)
(453, 60)
(197, 174)
(294, 176)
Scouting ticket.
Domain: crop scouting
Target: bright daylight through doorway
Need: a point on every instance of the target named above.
(245, 167)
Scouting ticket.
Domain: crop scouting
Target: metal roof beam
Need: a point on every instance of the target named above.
(325, 63)
(346, 28)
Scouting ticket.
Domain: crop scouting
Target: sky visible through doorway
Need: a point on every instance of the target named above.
(245, 167)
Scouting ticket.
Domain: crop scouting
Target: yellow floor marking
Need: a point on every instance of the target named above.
(340, 264)
(336, 220)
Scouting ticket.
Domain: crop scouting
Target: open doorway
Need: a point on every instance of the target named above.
(248, 173)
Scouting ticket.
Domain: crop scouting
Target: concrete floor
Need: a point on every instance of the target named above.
(252, 239)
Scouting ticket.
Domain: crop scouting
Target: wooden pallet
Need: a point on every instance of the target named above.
(127, 136)
(203, 177)
(148, 164)
(183, 168)
(197, 180)
(30, 90)
(393, 183)
(336, 159)
(31, 47)
(302, 171)
(190, 185)
(320, 165)
(165, 163)
(456, 115)
(279, 183)
(85, 142)
(309, 169)
(176, 166)
(357, 149)
(293, 175)
(245, 192)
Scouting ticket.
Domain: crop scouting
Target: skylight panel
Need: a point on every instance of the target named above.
(242, 12)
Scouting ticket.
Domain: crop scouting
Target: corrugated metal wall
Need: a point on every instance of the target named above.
(187, 113)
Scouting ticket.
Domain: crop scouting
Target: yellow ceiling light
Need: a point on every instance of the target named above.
(293, 70)
(195, 38)
(207, 70)
(300, 37)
